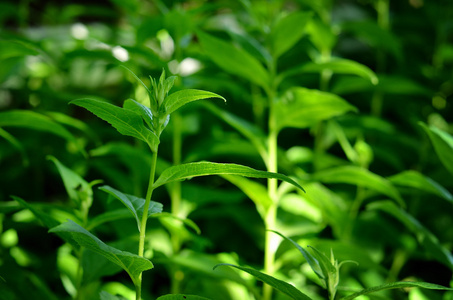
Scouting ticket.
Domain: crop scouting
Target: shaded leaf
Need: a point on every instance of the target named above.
(16, 49)
(442, 143)
(125, 121)
(187, 171)
(234, 60)
(133, 203)
(360, 177)
(140, 109)
(185, 221)
(287, 31)
(181, 297)
(108, 216)
(338, 66)
(314, 264)
(424, 236)
(397, 285)
(133, 264)
(33, 120)
(301, 108)
(73, 183)
(414, 179)
(179, 98)
(277, 284)
(255, 191)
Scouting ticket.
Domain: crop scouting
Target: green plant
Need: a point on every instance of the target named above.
(327, 269)
(145, 123)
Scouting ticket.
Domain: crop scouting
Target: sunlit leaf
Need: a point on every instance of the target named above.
(234, 60)
(443, 145)
(133, 203)
(125, 121)
(108, 216)
(414, 179)
(360, 177)
(185, 221)
(187, 171)
(179, 98)
(397, 285)
(277, 284)
(133, 264)
(301, 108)
(287, 31)
(424, 236)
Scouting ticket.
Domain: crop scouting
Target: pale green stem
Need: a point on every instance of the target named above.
(271, 216)
(141, 245)
(176, 199)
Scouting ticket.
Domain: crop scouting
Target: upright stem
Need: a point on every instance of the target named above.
(272, 166)
(141, 245)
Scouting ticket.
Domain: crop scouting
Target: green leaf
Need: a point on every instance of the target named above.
(133, 264)
(253, 133)
(428, 240)
(140, 109)
(133, 203)
(443, 145)
(16, 49)
(33, 120)
(314, 264)
(125, 121)
(302, 108)
(397, 285)
(234, 60)
(107, 296)
(13, 141)
(287, 31)
(414, 179)
(360, 177)
(108, 216)
(179, 98)
(181, 297)
(338, 66)
(76, 187)
(277, 284)
(187, 171)
(255, 191)
(185, 221)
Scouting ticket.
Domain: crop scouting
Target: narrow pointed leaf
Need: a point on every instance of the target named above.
(288, 31)
(138, 79)
(425, 237)
(255, 191)
(360, 177)
(140, 109)
(133, 264)
(33, 120)
(443, 145)
(277, 284)
(185, 221)
(414, 179)
(125, 121)
(397, 285)
(181, 297)
(108, 216)
(72, 181)
(324, 262)
(179, 98)
(253, 133)
(187, 171)
(312, 261)
(302, 108)
(133, 203)
(337, 66)
(234, 60)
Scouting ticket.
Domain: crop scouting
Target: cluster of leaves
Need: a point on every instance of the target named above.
(350, 99)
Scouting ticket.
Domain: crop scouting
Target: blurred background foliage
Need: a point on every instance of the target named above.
(52, 52)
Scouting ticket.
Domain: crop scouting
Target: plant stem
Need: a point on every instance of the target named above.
(141, 245)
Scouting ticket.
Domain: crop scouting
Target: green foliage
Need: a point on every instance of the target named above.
(340, 96)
